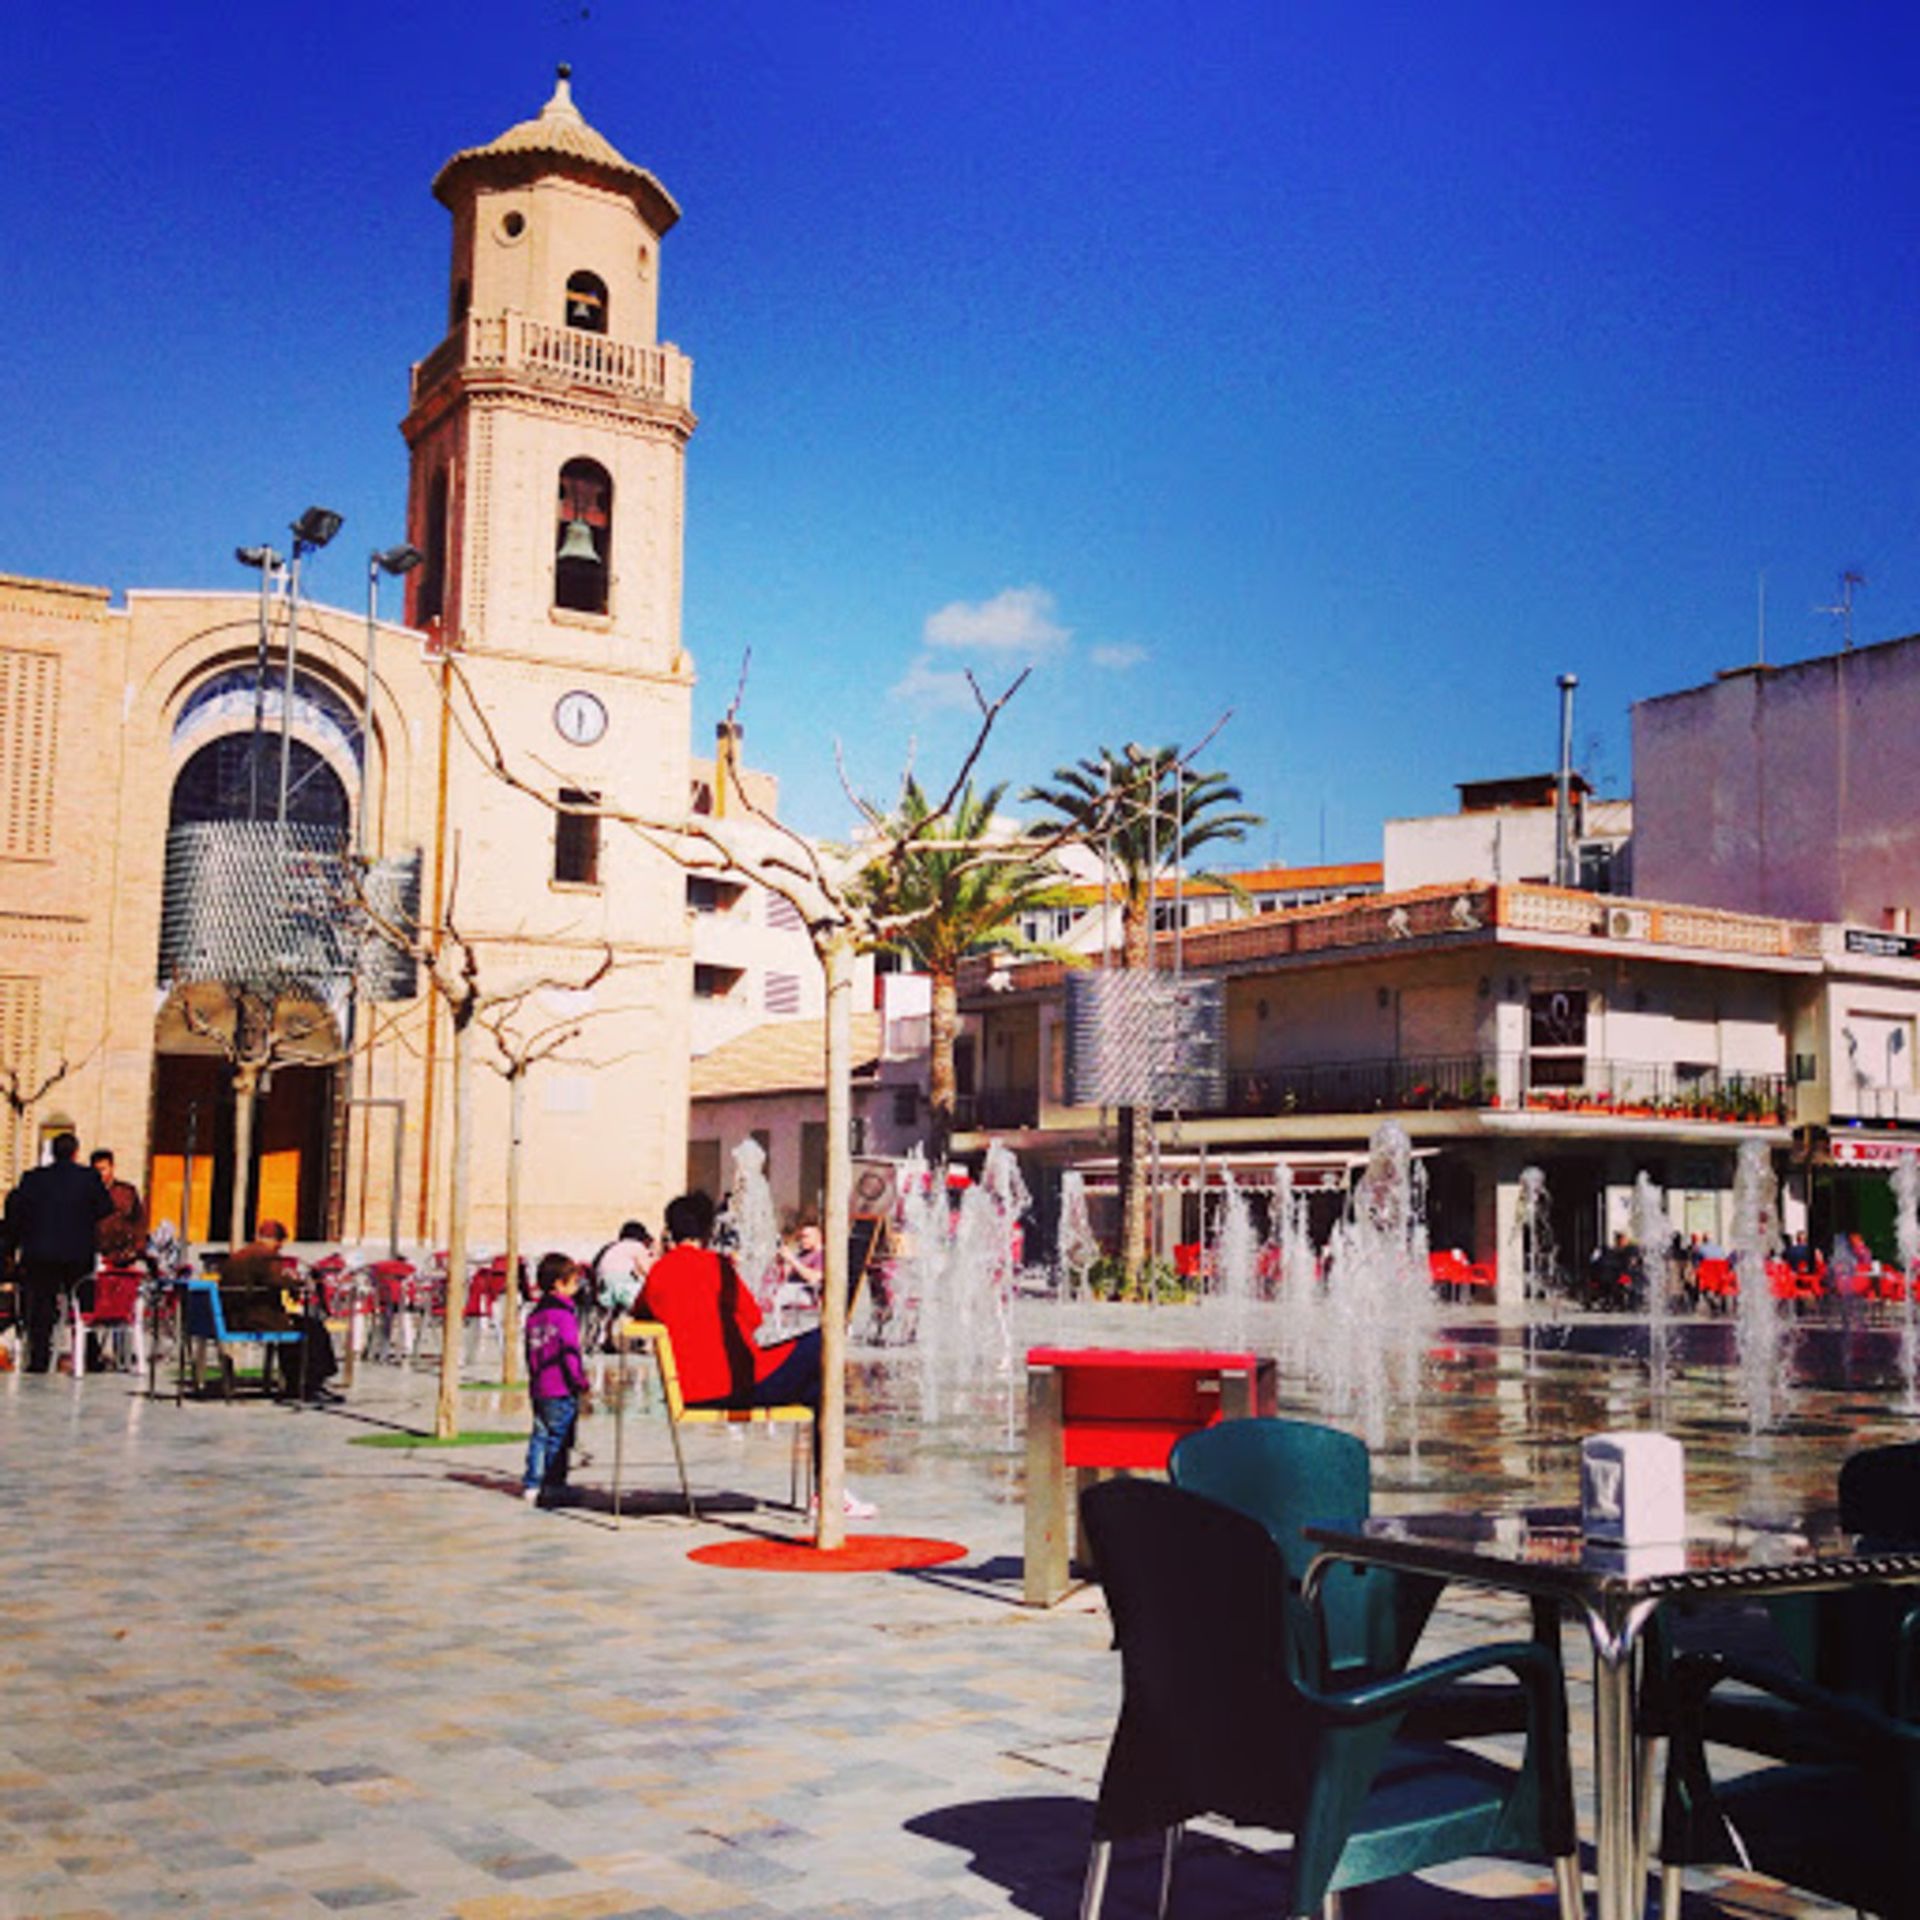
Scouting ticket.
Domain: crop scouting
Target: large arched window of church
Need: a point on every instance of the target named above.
(237, 777)
(587, 302)
(583, 537)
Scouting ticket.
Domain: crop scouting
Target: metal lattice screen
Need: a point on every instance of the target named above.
(1144, 1039)
(252, 902)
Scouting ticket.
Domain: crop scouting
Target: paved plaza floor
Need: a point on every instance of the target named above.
(251, 1668)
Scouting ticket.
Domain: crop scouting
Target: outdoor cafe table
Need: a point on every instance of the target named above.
(1615, 1592)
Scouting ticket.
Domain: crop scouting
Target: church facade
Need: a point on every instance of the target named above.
(201, 792)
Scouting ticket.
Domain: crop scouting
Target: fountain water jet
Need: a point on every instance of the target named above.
(1763, 1343)
(1078, 1249)
(1539, 1256)
(1651, 1231)
(1236, 1259)
(1378, 1312)
(1906, 1230)
(959, 1266)
(1289, 1256)
(750, 1221)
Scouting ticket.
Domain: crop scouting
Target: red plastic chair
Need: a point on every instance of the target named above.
(1717, 1280)
(1447, 1269)
(396, 1301)
(118, 1308)
(1483, 1277)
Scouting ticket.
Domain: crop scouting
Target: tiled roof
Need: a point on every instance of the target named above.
(781, 1056)
(560, 132)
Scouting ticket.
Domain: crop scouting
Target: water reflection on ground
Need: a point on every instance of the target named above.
(1502, 1406)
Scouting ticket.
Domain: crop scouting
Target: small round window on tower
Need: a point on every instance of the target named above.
(513, 225)
(646, 261)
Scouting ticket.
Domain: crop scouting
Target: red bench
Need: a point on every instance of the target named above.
(1101, 1408)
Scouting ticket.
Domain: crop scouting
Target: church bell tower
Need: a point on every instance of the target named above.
(548, 434)
(549, 428)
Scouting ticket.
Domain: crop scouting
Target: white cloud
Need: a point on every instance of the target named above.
(1017, 620)
(1119, 658)
(927, 686)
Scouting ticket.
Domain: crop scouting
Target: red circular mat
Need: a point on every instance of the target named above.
(863, 1553)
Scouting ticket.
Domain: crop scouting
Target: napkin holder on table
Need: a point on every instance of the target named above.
(1633, 1489)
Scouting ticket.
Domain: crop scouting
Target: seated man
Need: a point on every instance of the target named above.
(699, 1298)
(252, 1299)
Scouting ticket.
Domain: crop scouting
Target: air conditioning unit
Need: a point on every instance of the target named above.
(1629, 923)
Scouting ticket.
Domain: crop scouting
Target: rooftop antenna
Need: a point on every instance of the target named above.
(1844, 607)
(1760, 644)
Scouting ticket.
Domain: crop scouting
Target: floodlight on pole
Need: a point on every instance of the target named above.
(269, 564)
(395, 560)
(315, 528)
(310, 533)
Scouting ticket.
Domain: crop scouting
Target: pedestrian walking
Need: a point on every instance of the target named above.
(50, 1221)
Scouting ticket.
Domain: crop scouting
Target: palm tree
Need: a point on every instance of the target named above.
(1147, 813)
(950, 894)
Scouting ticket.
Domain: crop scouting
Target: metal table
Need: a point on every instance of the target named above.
(1540, 1553)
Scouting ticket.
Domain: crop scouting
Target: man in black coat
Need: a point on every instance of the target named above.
(51, 1216)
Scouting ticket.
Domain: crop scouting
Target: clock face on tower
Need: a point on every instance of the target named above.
(579, 718)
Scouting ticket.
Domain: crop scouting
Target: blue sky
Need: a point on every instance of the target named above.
(1357, 367)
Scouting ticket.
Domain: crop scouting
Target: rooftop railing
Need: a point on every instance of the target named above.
(1431, 916)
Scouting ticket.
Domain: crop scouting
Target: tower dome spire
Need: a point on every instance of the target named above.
(557, 140)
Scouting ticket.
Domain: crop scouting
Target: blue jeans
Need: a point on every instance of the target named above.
(795, 1382)
(548, 1443)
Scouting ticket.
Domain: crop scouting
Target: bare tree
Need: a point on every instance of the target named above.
(517, 1049)
(258, 1028)
(451, 961)
(22, 1093)
(839, 922)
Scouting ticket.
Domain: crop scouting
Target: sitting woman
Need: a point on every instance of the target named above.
(253, 1299)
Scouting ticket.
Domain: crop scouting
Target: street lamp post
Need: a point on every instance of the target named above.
(310, 533)
(395, 560)
(270, 565)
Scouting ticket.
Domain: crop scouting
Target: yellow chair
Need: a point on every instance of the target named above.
(652, 1335)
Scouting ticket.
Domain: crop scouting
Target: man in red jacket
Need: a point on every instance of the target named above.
(711, 1317)
(698, 1297)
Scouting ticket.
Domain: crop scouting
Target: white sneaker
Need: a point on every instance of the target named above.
(850, 1504)
(531, 1495)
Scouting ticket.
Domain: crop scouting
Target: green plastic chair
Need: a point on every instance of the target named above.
(1289, 1474)
(1834, 1699)
(1218, 1718)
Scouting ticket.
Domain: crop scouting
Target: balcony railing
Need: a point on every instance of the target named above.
(1510, 1082)
(563, 356)
(1619, 1089)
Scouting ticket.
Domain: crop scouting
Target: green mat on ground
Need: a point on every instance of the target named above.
(483, 1438)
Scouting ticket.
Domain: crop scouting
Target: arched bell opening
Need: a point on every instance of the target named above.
(583, 537)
